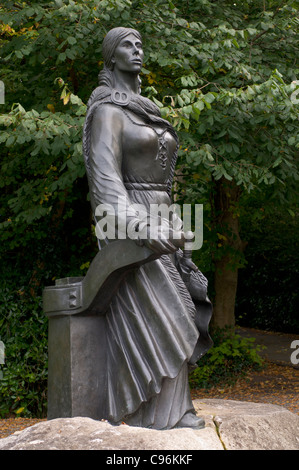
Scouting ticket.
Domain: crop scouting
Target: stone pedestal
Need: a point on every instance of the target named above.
(76, 310)
(76, 370)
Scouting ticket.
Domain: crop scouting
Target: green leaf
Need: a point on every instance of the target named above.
(199, 105)
(209, 97)
(252, 31)
(71, 40)
(235, 43)
(158, 103)
(62, 57)
(10, 141)
(180, 101)
(202, 128)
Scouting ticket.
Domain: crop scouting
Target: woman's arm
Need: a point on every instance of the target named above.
(108, 193)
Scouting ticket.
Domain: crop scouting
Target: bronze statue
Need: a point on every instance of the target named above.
(155, 330)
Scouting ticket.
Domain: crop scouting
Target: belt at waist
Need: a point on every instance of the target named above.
(146, 186)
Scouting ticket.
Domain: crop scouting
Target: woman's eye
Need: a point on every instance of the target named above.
(128, 45)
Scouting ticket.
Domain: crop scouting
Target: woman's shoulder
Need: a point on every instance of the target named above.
(108, 111)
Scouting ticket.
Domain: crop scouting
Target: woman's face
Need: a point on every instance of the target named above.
(128, 55)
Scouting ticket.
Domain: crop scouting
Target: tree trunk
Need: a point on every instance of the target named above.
(225, 283)
(228, 251)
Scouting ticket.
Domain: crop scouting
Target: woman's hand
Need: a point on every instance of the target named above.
(160, 236)
(164, 239)
(160, 246)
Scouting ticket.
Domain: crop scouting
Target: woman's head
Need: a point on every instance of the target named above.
(112, 40)
(110, 44)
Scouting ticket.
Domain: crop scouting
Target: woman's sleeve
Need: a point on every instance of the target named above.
(109, 197)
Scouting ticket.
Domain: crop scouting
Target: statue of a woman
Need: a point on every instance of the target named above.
(154, 328)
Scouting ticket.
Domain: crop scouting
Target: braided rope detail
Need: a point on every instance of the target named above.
(87, 134)
(198, 275)
(181, 287)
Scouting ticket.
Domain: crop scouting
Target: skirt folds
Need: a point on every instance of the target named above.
(151, 336)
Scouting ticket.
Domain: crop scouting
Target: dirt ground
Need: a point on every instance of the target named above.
(275, 384)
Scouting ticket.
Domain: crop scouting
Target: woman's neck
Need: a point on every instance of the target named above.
(125, 81)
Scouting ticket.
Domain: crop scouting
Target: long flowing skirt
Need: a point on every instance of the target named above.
(151, 336)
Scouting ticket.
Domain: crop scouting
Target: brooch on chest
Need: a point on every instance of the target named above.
(121, 98)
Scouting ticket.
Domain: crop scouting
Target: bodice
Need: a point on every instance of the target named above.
(147, 151)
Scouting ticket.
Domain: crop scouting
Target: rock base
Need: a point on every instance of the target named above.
(251, 426)
(230, 425)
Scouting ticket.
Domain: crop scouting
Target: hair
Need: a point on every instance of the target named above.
(110, 43)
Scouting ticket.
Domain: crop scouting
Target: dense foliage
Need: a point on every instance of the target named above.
(23, 387)
(229, 359)
(268, 296)
(224, 73)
